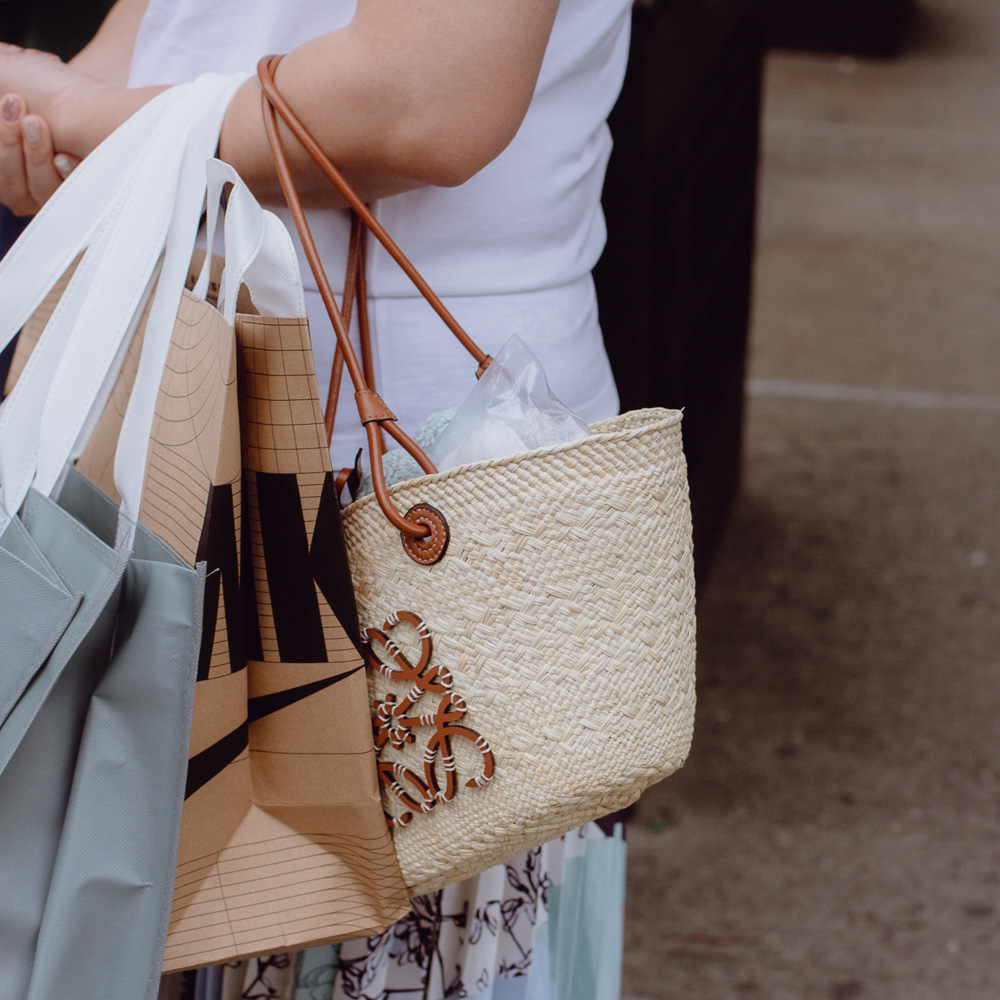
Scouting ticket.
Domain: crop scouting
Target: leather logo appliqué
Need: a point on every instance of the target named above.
(394, 727)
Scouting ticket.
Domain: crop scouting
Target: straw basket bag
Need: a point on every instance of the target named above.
(529, 620)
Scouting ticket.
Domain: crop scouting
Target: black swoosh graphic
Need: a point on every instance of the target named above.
(266, 704)
(213, 760)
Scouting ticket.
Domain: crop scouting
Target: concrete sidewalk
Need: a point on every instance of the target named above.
(836, 833)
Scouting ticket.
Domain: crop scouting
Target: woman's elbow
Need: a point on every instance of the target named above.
(449, 153)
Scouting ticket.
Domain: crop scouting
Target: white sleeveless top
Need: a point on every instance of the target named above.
(510, 251)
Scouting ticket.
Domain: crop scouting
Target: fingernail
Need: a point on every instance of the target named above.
(11, 109)
(32, 131)
(63, 164)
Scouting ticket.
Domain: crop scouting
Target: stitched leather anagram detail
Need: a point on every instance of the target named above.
(394, 726)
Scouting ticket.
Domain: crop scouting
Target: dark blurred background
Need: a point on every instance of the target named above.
(61, 26)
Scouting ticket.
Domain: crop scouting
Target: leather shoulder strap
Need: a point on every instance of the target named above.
(374, 414)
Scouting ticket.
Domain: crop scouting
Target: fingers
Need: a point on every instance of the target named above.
(65, 164)
(39, 166)
(13, 179)
(30, 169)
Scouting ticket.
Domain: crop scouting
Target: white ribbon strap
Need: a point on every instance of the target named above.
(161, 205)
(68, 221)
(25, 280)
(157, 205)
(119, 287)
(259, 252)
(133, 442)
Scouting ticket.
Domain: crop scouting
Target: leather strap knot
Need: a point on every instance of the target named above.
(371, 407)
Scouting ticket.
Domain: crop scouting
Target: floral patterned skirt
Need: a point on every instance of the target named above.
(546, 926)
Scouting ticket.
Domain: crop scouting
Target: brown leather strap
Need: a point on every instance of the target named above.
(411, 528)
(355, 253)
(354, 281)
(364, 327)
(371, 408)
(265, 71)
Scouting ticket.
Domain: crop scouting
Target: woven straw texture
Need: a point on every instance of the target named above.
(564, 609)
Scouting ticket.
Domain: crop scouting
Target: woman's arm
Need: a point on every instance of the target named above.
(413, 93)
(410, 93)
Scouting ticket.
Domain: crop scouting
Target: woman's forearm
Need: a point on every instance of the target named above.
(425, 92)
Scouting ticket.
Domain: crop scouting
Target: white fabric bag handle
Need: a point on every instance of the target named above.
(162, 203)
(24, 283)
(258, 251)
(133, 442)
(68, 221)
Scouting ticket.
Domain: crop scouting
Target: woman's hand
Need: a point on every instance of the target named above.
(50, 89)
(51, 116)
(34, 86)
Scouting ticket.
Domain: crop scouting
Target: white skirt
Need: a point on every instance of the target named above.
(546, 926)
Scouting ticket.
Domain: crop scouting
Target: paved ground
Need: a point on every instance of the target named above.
(836, 833)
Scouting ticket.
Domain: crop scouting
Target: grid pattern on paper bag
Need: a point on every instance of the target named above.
(274, 885)
(338, 645)
(283, 433)
(195, 438)
(282, 421)
(272, 888)
(188, 454)
(197, 397)
(195, 442)
(236, 901)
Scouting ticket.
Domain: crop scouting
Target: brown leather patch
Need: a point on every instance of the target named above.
(428, 549)
(371, 407)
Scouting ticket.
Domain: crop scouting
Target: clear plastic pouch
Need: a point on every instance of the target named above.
(509, 410)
